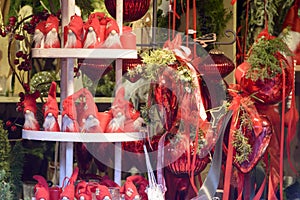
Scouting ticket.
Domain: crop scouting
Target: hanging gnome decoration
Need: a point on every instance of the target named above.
(51, 30)
(51, 111)
(73, 33)
(39, 35)
(41, 189)
(30, 110)
(125, 117)
(95, 32)
(112, 35)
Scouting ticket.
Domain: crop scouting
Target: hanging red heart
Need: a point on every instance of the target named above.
(258, 145)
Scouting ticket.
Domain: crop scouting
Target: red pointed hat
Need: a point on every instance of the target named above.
(90, 106)
(111, 25)
(51, 105)
(52, 22)
(95, 24)
(69, 190)
(69, 107)
(41, 26)
(30, 102)
(101, 192)
(41, 189)
(76, 26)
(130, 190)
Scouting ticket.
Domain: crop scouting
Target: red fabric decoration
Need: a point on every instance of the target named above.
(51, 28)
(75, 27)
(129, 190)
(69, 189)
(39, 35)
(69, 111)
(93, 26)
(30, 110)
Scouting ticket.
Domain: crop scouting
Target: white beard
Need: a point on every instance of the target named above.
(30, 120)
(117, 122)
(67, 123)
(292, 40)
(71, 40)
(112, 40)
(90, 122)
(91, 39)
(51, 38)
(38, 38)
(49, 122)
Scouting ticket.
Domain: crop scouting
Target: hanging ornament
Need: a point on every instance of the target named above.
(216, 63)
(267, 71)
(132, 9)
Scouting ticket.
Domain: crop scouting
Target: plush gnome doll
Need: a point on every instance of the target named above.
(73, 32)
(129, 191)
(69, 115)
(68, 192)
(51, 110)
(51, 30)
(91, 122)
(112, 34)
(125, 117)
(142, 184)
(41, 189)
(94, 31)
(39, 35)
(102, 192)
(82, 192)
(30, 110)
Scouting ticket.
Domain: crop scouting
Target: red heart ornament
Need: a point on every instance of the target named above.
(258, 145)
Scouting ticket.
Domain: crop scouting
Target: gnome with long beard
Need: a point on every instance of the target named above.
(30, 110)
(51, 30)
(112, 35)
(94, 31)
(51, 111)
(69, 114)
(39, 35)
(73, 33)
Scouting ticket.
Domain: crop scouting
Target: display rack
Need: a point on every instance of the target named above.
(68, 60)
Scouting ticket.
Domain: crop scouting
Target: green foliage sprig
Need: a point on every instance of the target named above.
(263, 58)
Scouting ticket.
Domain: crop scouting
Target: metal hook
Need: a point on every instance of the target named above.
(228, 36)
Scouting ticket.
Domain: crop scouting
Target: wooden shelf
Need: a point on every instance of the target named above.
(81, 137)
(4, 99)
(84, 53)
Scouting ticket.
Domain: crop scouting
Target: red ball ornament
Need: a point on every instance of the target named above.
(132, 9)
(268, 90)
(217, 63)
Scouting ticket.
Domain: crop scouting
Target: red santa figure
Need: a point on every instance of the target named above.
(39, 35)
(69, 115)
(112, 34)
(94, 31)
(30, 110)
(73, 33)
(51, 111)
(41, 189)
(51, 30)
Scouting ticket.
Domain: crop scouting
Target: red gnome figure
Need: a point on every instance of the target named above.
(82, 191)
(102, 192)
(30, 110)
(112, 35)
(68, 192)
(69, 115)
(39, 35)
(51, 30)
(41, 189)
(95, 32)
(91, 122)
(73, 33)
(129, 191)
(51, 111)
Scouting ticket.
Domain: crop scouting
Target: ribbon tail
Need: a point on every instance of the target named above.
(210, 184)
